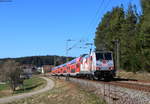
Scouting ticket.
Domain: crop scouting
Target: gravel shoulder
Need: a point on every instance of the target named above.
(50, 85)
(114, 94)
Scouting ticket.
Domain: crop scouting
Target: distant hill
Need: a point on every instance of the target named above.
(39, 60)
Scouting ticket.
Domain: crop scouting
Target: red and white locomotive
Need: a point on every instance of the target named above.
(96, 65)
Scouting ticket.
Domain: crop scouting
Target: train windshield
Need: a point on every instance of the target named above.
(104, 56)
(99, 56)
(108, 56)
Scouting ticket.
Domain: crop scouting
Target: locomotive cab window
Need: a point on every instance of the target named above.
(99, 56)
(108, 56)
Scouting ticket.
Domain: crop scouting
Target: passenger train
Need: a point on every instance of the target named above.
(96, 65)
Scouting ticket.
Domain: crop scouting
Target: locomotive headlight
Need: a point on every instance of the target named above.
(98, 68)
(111, 68)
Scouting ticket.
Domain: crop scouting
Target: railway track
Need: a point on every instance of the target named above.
(130, 84)
(136, 85)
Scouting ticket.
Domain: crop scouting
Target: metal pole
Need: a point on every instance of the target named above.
(117, 54)
(67, 49)
(90, 44)
(67, 58)
(67, 76)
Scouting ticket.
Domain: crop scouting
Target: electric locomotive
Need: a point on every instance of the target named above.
(104, 65)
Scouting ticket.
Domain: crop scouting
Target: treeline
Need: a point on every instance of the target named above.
(39, 60)
(133, 33)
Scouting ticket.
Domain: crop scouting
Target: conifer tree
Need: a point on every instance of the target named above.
(144, 37)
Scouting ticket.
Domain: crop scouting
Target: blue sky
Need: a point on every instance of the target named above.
(41, 27)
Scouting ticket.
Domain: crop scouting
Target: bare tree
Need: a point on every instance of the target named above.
(1, 73)
(12, 72)
(2, 76)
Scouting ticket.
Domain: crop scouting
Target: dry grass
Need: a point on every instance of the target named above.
(130, 75)
(5, 93)
(63, 93)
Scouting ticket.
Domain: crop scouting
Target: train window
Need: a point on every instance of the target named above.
(99, 56)
(108, 56)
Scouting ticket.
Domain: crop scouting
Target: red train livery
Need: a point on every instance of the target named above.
(96, 65)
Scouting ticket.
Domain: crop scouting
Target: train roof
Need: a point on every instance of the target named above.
(72, 61)
(62, 65)
(101, 51)
(54, 68)
(83, 55)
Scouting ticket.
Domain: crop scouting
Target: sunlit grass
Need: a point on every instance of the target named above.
(4, 87)
(29, 85)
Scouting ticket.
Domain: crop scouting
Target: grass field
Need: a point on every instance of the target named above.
(63, 93)
(4, 87)
(4, 90)
(31, 84)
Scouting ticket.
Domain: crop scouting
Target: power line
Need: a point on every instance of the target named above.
(100, 11)
(101, 8)
(97, 13)
(105, 7)
(91, 23)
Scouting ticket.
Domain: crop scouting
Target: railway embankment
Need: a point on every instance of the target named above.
(116, 92)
